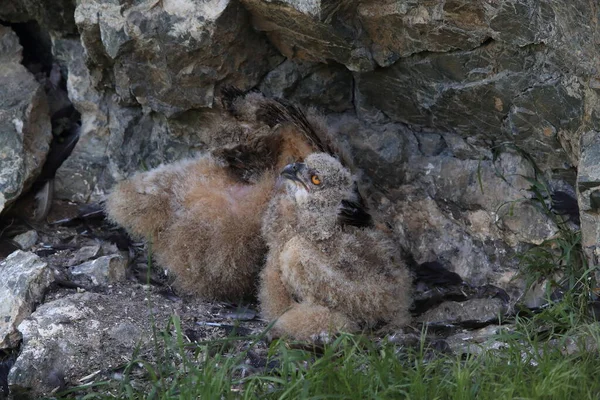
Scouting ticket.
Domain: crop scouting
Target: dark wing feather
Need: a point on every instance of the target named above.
(229, 94)
(248, 160)
(280, 111)
(354, 212)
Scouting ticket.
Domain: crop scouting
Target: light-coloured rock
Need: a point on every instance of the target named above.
(25, 130)
(25, 278)
(117, 140)
(27, 239)
(101, 271)
(76, 335)
(474, 214)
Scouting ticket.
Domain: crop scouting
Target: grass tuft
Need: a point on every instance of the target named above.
(354, 367)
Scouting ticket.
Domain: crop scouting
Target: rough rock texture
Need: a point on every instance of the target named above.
(26, 239)
(25, 279)
(588, 185)
(25, 131)
(89, 337)
(53, 15)
(170, 55)
(485, 310)
(101, 271)
(105, 329)
(451, 110)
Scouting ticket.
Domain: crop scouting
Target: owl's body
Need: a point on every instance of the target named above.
(203, 215)
(323, 274)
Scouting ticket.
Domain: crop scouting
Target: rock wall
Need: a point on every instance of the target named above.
(451, 108)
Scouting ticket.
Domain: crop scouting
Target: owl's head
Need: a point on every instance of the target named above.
(326, 195)
(319, 180)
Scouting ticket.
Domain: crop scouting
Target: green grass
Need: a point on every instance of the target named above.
(354, 367)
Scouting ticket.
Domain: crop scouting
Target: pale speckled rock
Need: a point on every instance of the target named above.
(76, 335)
(25, 130)
(101, 271)
(25, 278)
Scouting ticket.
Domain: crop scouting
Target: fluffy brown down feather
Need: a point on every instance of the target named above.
(322, 276)
(203, 215)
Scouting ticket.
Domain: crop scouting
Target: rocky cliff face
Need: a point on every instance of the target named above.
(471, 124)
(451, 109)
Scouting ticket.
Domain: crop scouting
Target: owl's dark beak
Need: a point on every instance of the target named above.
(291, 171)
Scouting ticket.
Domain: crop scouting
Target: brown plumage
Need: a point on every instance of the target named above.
(203, 215)
(328, 268)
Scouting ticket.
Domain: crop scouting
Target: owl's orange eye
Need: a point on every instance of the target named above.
(315, 180)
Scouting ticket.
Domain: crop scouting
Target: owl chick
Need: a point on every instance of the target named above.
(203, 216)
(328, 269)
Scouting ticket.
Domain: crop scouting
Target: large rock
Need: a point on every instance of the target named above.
(118, 139)
(171, 55)
(476, 311)
(69, 338)
(444, 204)
(25, 279)
(493, 94)
(25, 130)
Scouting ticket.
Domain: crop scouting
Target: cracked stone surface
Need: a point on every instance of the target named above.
(450, 110)
(25, 280)
(25, 131)
(588, 185)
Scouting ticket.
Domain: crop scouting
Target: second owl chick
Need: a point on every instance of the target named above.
(327, 268)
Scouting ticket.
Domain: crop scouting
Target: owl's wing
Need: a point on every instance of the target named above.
(354, 211)
(274, 112)
(246, 161)
(280, 111)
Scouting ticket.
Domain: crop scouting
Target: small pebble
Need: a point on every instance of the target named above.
(26, 240)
